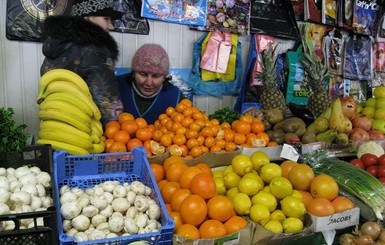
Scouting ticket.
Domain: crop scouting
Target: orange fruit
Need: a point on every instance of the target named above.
(177, 218)
(225, 125)
(257, 127)
(210, 141)
(130, 126)
(135, 142)
(112, 123)
(175, 150)
(235, 223)
(122, 136)
(206, 132)
(230, 146)
(158, 171)
(144, 134)
(186, 102)
(220, 208)
(117, 146)
(184, 150)
(166, 140)
(272, 143)
(196, 151)
(170, 110)
(342, 204)
(175, 170)
(247, 118)
(142, 123)
(170, 160)
(193, 210)
(324, 186)
(301, 176)
(239, 138)
(187, 175)
(243, 127)
(194, 126)
(307, 197)
(188, 231)
(179, 139)
(161, 183)
(168, 190)
(168, 208)
(124, 116)
(212, 228)
(263, 136)
(203, 184)
(178, 198)
(204, 167)
(216, 148)
(286, 166)
(107, 144)
(110, 131)
(191, 143)
(320, 207)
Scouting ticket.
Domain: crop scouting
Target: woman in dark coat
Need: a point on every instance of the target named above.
(82, 43)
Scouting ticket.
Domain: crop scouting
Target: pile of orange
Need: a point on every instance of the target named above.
(320, 193)
(189, 193)
(186, 131)
(128, 132)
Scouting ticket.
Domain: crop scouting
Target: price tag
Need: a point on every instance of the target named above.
(289, 152)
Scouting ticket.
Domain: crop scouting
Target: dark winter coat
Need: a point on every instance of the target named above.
(85, 48)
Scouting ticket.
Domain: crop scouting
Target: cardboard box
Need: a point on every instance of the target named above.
(214, 159)
(265, 237)
(336, 221)
(158, 158)
(243, 236)
(273, 152)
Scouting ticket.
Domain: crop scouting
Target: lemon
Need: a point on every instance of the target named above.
(249, 186)
(266, 199)
(281, 187)
(292, 225)
(293, 207)
(260, 214)
(231, 193)
(278, 215)
(269, 171)
(231, 180)
(218, 173)
(242, 164)
(297, 193)
(254, 174)
(259, 158)
(220, 185)
(274, 226)
(242, 203)
(379, 92)
(227, 170)
(266, 189)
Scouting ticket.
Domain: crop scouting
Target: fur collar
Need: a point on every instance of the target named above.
(70, 29)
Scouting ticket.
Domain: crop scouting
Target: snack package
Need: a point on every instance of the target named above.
(358, 58)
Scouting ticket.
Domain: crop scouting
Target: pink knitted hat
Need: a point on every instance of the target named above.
(151, 58)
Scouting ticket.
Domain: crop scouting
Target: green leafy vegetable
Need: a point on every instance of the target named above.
(225, 115)
(12, 136)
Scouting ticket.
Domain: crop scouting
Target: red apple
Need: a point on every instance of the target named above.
(369, 159)
(358, 134)
(375, 134)
(362, 122)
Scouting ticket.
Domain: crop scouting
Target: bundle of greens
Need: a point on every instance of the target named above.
(225, 115)
(12, 136)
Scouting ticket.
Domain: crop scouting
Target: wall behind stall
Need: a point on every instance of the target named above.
(20, 64)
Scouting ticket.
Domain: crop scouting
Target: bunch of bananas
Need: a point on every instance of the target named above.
(70, 120)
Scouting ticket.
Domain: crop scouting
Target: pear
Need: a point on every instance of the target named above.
(337, 118)
(328, 137)
(321, 124)
(342, 139)
(326, 113)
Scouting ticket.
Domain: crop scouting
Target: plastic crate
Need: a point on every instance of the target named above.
(41, 156)
(86, 171)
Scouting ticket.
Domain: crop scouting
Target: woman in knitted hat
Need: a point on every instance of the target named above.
(147, 92)
(82, 43)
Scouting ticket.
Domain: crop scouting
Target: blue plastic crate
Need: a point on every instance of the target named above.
(86, 171)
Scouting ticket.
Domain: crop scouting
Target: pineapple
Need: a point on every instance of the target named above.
(315, 82)
(271, 96)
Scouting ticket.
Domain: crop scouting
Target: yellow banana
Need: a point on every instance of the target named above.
(66, 87)
(67, 107)
(62, 75)
(64, 127)
(96, 126)
(71, 99)
(60, 115)
(95, 138)
(99, 148)
(65, 137)
(56, 145)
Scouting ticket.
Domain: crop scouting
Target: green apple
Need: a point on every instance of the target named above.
(379, 92)
(368, 111)
(371, 102)
(379, 124)
(380, 103)
(359, 109)
(379, 113)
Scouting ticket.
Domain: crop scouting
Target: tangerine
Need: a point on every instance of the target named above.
(142, 123)
(220, 208)
(130, 126)
(188, 231)
(110, 131)
(263, 136)
(235, 224)
(113, 123)
(212, 228)
(132, 143)
(143, 133)
(187, 102)
(243, 127)
(203, 184)
(170, 160)
(125, 116)
(122, 136)
(166, 140)
(193, 210)
(320, 206)
(117, 146)
(257, 127)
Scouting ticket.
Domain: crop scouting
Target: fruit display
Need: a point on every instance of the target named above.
(191, 198)
(70, 120)
(370, 232)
